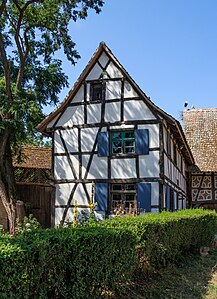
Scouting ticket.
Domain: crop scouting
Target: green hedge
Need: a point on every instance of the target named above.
(65, 263)
(166, 237)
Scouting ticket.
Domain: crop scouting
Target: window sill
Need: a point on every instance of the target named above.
(122, 156)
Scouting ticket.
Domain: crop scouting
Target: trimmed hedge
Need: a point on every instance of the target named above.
(65, 263)
(165, 237)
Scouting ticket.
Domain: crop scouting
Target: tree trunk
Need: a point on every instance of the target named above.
(7, 181)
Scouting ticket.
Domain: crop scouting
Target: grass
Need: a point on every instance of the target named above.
(195, 278)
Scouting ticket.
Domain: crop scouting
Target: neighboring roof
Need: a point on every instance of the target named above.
(200, 127)
(175, 126)
(35, 157)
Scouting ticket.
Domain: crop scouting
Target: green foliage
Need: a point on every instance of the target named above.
(29, 223)
(32, 34)
(65, 263)
(164, 238)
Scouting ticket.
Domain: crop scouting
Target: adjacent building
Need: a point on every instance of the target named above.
(200, 126)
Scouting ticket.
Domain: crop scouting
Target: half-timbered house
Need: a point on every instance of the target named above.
(107, 131)
(200, 126)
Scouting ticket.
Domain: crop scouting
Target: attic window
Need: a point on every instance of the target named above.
(96, 92)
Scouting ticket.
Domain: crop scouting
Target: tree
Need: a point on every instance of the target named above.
(31, 32)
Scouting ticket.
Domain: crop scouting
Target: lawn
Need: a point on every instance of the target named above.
(195, 277)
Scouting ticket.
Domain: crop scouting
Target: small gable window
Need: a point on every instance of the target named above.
(123, 142)
(96, 91)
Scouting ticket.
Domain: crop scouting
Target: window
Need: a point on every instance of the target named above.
(96, 91)
(123, 199)
(123, 142)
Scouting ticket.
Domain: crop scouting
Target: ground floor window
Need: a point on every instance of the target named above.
(123, 199)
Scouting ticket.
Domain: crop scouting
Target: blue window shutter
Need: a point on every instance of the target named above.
(142, 141)
(101, 196)
(103, 144)
(167, 197)
(144, 196)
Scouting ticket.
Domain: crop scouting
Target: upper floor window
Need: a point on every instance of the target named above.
(123, 142)
(96, 91)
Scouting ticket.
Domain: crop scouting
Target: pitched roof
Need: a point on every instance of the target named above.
(200, 127)
(175, 126)
(35, 157)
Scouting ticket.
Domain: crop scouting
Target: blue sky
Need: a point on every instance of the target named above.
(168, 47)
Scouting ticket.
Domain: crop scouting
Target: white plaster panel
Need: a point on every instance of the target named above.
(59, 214)
(113, 90)
(166, 165)
(62, 169)
(79, 96)
(63, 193)
(113, 71)
(129, 91)
(137, 110)
(72, 116)
(100, 215)
(175, 201)
(98, 168)
(103, 59)
(88, 92)
(165, 138)
(112, 112)
(94, 73)
(122, 126)
(50, 125)
(154, 210)
(153, 134)
(149, 165)
(88, 136)
(164, 196)
(123, 168)
(155, 194)
(93, 113)
(71, 140)
(80, 195)
(180, 205)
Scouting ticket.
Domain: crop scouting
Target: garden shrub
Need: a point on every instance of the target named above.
(165, 237)
(65, 262)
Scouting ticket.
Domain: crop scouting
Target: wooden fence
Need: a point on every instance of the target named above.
(37, 200)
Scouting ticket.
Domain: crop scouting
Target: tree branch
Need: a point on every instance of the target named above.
(2, 7)
(6, 68)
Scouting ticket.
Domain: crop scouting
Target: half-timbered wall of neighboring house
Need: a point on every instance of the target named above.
(204, 189)
(109, 133)
(201, 133)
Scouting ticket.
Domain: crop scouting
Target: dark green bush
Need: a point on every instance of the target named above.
(166, 237)
(65, 263)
